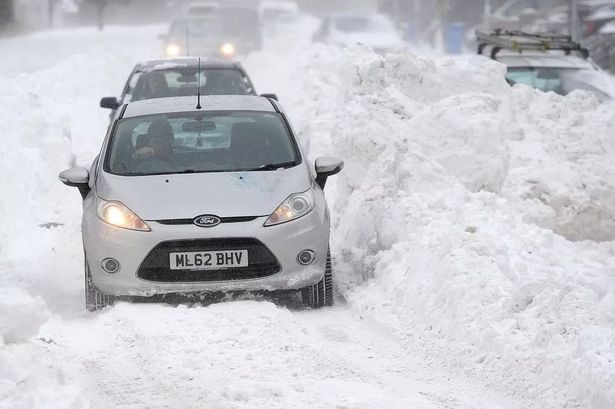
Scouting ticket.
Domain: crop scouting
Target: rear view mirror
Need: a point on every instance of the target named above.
(109, 102)
(325, 167)
(199, 126)
(272, 96)
(77, 177)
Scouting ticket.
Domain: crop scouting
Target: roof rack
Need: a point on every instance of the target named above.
(521, 41)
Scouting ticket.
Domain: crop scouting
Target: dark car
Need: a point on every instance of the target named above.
(227, 32)
(181, 77)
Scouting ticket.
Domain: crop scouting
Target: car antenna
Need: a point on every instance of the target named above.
(188, 41)
(198, 86)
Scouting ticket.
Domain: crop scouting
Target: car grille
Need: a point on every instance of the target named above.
(155, 267)
(176, 222)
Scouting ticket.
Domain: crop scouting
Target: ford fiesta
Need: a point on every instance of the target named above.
(214, 197)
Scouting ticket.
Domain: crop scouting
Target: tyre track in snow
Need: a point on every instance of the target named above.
(247, 354)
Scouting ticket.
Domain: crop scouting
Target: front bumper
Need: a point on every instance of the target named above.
(131, 249)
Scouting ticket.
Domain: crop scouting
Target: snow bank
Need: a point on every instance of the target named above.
(25, 383)
(464, 216)
(49, 121)
(20, 315)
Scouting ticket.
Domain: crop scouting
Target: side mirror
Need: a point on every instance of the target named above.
(77, 177)
(109, 102)
(272, 96)
(325, 167)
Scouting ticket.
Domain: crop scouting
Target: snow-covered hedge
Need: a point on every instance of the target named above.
(465, 213)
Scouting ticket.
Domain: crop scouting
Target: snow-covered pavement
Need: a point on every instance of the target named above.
(473, 242)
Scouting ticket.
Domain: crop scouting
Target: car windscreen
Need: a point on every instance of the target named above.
(239, 22)
(562, 81)
(194, 142)
(177, 82)
(197, 27)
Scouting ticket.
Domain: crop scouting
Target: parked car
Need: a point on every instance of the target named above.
(180, 77)
(373, 30)
(546, 62)
(213, 195)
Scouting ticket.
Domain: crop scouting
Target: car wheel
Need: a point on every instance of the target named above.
(320, 294)
(94, 299)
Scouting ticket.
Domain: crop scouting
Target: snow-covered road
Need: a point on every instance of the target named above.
(249, 354)
(457, 297)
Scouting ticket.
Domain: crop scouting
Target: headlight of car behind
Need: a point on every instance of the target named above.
(173, 50)
(294, 207)
(227, 50)
(116, 214)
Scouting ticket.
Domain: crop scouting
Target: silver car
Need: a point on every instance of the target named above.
(214, 197)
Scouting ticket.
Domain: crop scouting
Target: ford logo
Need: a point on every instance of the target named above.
(206, 220)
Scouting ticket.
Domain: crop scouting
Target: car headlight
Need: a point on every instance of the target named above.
(116, 214)
(228, 50)
(173, 50)
(294, 207)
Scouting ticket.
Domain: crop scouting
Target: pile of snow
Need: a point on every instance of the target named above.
(48, 122)
(464, 215)
(24, 381)
(20, 315)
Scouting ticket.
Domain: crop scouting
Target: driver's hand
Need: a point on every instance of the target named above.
(145, 152)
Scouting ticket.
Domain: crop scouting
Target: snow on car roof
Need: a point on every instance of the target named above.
(547, 60)
(208, 103)
(169, 63)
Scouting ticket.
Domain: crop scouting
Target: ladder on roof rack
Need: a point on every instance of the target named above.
(521, 41)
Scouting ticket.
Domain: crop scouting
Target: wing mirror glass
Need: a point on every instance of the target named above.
(109, 102)
(77, 177)
(325, 167)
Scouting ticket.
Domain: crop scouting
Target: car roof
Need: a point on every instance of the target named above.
(208, 103)
(542, 59)
(188, 62)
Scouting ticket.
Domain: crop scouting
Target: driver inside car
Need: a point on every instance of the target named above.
(160, 142)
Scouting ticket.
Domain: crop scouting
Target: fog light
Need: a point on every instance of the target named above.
(110, 265)
(306, 257)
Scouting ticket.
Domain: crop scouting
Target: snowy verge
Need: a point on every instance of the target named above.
(26, 383)
(466, 213)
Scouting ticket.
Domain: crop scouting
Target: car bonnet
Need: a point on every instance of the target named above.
(224, 194)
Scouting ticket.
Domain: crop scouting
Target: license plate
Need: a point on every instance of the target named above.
(208, 260)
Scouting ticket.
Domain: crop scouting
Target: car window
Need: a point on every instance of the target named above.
(559, 80)
(200, 142)
(183, 82)
(239, 22)
(195, 28)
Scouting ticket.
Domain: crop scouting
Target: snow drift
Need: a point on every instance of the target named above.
(474, 218)
(24, 381)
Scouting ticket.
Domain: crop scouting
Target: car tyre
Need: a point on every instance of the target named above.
(320, 294)
(94, 299)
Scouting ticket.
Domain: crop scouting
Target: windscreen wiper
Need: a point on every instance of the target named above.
(181, 172)
(274, 166)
